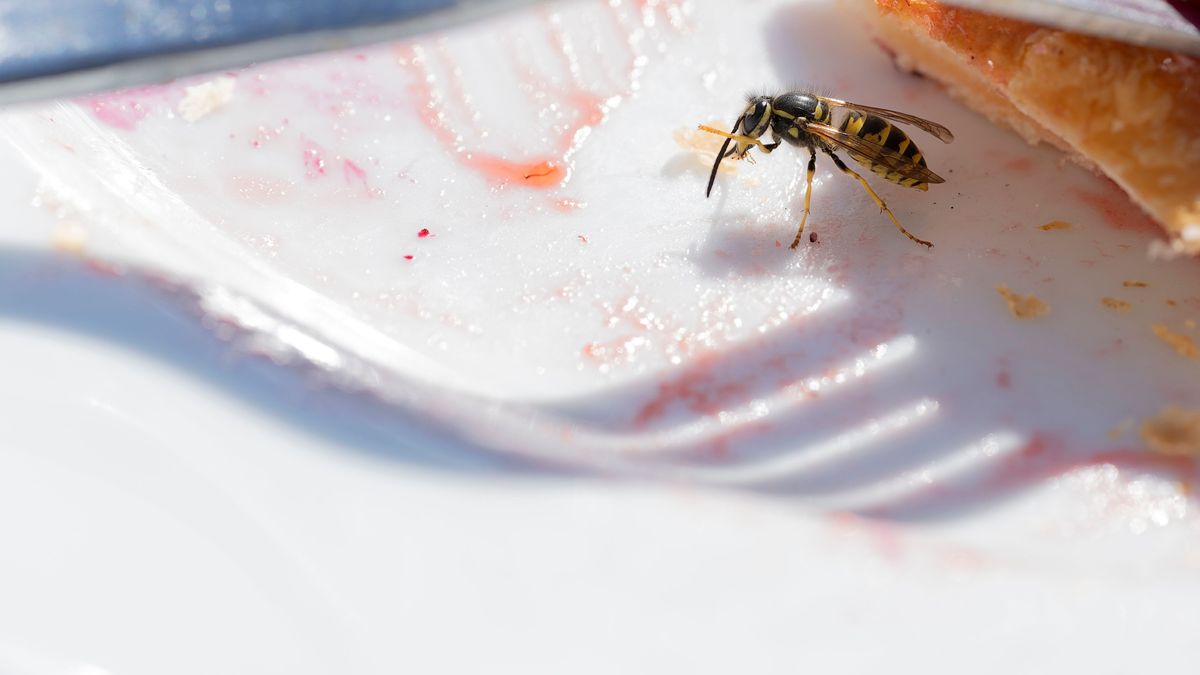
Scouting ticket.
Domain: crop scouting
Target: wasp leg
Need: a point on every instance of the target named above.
(767, 149)
(812, 168)
(878, 200)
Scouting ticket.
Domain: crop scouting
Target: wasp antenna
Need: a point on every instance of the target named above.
(720, 156)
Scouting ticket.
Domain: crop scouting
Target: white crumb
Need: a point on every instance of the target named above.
(206, 98)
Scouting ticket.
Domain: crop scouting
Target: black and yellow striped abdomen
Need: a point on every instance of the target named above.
(878, 130)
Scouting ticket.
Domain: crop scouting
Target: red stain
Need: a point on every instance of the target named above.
(1117, 210)
(313, 156)
(697, 388)
(122, 109)
(1116, 346)
(1003, 374)
(408, 257)
(539, 174)
(354, 173)
(1019, 165)
(567, 205)
(550, 165)
(264, 134)
(102, 268)
(884, 537)
(1038, 446)
(885, 48)
(609, 353)
(1046, 456)
(674, 11)
(423, 233)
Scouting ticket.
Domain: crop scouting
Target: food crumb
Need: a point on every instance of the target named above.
(1182, 344)
(1055, 225)
(1130, 283)
(703, 145)
(69, 237)
(812, 237)
(1189, 324)
(408, 257)
(423, 233)
(1115, 304)
(205, 98)
(1171, 303)
(1022, 307)
(1174, 432)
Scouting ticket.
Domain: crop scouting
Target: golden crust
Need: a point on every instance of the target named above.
(1131, 112)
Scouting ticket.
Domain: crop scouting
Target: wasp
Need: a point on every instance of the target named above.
(805, 120)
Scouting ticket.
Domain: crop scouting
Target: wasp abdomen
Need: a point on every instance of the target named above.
(878, 130)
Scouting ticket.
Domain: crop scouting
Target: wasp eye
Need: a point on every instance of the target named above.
(755, 118)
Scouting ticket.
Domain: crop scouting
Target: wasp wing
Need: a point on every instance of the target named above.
(877, 153)
(933, 128)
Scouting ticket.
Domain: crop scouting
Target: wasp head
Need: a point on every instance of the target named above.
(753, 122)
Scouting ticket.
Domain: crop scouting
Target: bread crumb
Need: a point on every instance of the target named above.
(1055, 225)
(1180, 343)
(69, 237)
(1022, 307)
(1115, 304)
(703, 145)
(1174, 432)
(1130, 283)
(205, 98)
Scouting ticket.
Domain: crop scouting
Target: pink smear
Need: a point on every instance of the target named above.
(1003, 374)
(356, 174)
(314, 159)
(566, 205)
(697, 388)
(1019, 165)
(119, 110)
(1117, 210)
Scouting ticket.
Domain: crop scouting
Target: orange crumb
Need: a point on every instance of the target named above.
(1174, 432)
(1115, 305)
(1130, 283)
(1055, 225)
(69, 238)
(1022, 307)
(1180, 343)
(704, 146)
